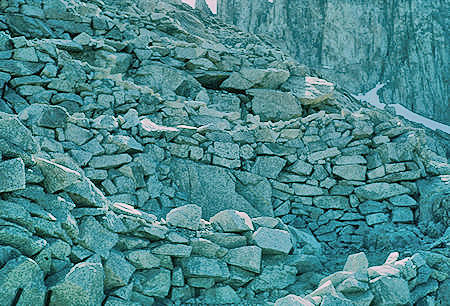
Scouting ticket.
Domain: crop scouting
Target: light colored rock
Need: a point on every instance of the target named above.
(351, 172)
(309, 90)
(274, 277)
(187, 216)
(273, 241)
(143, 259)
(246, 257)
(57, 177)
(232, 221)
(293, 300)
(357, 263)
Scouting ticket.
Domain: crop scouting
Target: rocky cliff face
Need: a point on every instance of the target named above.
(150, 155)
(403, 44)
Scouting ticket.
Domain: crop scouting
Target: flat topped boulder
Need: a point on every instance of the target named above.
(232, 221)
(256, 78)
(274, 105)
(380, 191)
(187, 216)
(246, 257)
(273, 241)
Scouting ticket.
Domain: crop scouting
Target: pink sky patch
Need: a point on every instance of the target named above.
(212, 4)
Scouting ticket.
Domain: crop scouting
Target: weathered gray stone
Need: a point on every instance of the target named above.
(377, 218)
(187, 216)
(274, 277)
(390, 291)
(307, 190)
(293, 300)
(357, 263)
(232, 221)
(143, 259)
(85, 193)
(12, 175)
(57, 177)
(402, 215)
(351, 172)
(23, 274)
(15, 139)
(246, 257)
(109, 161)
(82, 285)
(274, 105)
(118, 271)
(211, 187)
(309, 90)
(273, 241)
(327, 202)
(256, 78)
(268, 166)
(196, 266)
(403, 200)
(300, 167)
(221, 296)
(95, 237)
(154, 282)
(174, 250)
(380, 191)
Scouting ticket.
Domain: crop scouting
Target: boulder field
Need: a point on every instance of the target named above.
(151, 155)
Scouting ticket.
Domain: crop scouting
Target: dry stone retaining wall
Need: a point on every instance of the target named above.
(112, 119)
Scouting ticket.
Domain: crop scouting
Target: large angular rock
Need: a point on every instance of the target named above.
(109, 161)
(173, 250)
(232, 221)
(274, 277)
(167, 79)
(351, 172)
(274, 105)
(83, 285)
(390, 291)
(246, 257)
(357, 263)
(118, 271)
(256, 190)
(268, 166)
(187, 216)
(273, 241)
(15, 139)
(12, 175)
(196, 266)
(154, 282)
(255, 78)
(213, 188)
(94, 237)
(309, 90)
(85, 193)
(380, 191)
(293, 300)
(23, 274)
(57, 177)
(221, 296)
(20, 68)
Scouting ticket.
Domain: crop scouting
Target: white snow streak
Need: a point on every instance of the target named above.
(372, 98)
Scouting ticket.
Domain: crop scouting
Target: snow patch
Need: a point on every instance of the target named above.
(372, 98)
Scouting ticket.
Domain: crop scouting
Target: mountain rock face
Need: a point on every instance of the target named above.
(403, 44)
(151, 155)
